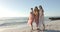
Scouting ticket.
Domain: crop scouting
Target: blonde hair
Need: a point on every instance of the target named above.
(36, 11)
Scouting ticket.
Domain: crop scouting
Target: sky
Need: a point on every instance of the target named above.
(21, 8)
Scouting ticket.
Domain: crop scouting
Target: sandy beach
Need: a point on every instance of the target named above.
(53, 26)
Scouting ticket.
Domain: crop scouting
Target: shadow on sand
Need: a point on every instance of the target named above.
(46, 31)
(51, 31)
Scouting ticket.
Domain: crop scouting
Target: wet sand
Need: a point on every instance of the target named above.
(53, 26)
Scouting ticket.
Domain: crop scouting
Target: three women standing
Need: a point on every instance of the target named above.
(36, 16)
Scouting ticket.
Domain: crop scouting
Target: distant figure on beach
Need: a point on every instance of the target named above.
(36, 16)
(31, 18)
(41, 17)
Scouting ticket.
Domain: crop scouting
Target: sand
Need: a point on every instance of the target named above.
(52, 26)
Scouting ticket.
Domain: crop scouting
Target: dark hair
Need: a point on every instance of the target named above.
(31, 8)
(40, 7)
(36, 7)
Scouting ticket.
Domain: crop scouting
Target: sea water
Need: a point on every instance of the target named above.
(16, 22)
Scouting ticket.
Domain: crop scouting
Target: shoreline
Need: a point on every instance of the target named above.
(50, 26)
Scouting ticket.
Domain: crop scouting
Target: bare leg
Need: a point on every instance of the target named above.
(37, 25)
(31, 26)
(43, 27)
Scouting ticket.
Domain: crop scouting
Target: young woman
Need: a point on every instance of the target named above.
(36, 16)
(41, 17)
(31, 18)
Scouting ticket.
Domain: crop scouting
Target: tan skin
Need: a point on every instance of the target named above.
(32, 21)
(36, 14)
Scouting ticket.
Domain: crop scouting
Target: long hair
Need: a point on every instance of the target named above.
(41, 8)
(36, 11)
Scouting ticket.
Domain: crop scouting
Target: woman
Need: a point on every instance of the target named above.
(36, 16)
(41, 17)
(31, 18)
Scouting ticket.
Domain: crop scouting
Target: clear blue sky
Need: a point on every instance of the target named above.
(21, 8)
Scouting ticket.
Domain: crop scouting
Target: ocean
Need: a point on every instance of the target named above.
(16, 22)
